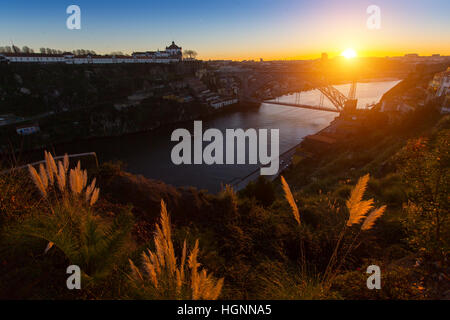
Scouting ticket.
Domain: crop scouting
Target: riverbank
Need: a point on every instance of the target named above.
(148, 153)
(285, 160)
(319, 141)
(208, 114)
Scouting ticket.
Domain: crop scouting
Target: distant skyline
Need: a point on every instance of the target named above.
(233, 29)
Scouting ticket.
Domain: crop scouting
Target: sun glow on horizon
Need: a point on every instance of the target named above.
(349, 53)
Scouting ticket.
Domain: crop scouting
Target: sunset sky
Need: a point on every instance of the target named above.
(232, 29)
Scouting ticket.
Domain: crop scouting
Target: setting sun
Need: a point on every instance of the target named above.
(349, 53)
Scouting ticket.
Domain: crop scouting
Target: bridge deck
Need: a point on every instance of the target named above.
(301, 106)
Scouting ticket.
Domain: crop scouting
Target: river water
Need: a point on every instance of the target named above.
(149, 153)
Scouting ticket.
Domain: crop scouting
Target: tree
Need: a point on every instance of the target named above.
(190, 54)
(26, 49)
(42, 50)
(425, 169)
(261, 190)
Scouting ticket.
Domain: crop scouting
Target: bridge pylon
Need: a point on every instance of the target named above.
(350, 105)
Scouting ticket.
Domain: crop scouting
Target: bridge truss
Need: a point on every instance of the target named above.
(338, 99)
(334, 95)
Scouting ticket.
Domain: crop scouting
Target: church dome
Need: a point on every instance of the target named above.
(173, 46)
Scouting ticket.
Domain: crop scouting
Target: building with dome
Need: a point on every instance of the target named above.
(173, 53)
(174, 50)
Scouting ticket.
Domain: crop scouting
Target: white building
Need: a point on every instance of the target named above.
(27, 129)
(172, 54)
(33, 57)
(222, 103)
(174, 50)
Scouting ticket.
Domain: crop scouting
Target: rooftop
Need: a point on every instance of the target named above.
(173, 46)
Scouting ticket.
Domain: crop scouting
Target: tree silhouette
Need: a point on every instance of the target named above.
(190, 54)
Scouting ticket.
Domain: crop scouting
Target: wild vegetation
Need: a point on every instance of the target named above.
(380, 198)
(160, 276)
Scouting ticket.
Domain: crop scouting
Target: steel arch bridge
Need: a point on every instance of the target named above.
(338, 99)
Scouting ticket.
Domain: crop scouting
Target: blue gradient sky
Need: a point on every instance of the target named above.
(233, 29)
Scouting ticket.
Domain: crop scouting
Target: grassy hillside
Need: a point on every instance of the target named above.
(257, 247)
(378, 197)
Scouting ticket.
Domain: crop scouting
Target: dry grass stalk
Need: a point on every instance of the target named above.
(43, 175)
(372, 217)
(51, 166)
(94, 196)
(78, 179)
(61, 177)
(290, 199)
(357, 207)
(56, 173)
(160, 272)
(90, 188)
(37, 181)
(66, 162)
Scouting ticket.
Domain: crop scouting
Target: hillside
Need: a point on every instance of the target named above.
(378, 197)
(71, 102)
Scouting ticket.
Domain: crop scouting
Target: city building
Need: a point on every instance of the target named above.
(439, 87)
(3, 59)
(174, 50)
(441, 83)
(220, 103)
(172, 54)
(28, 129)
